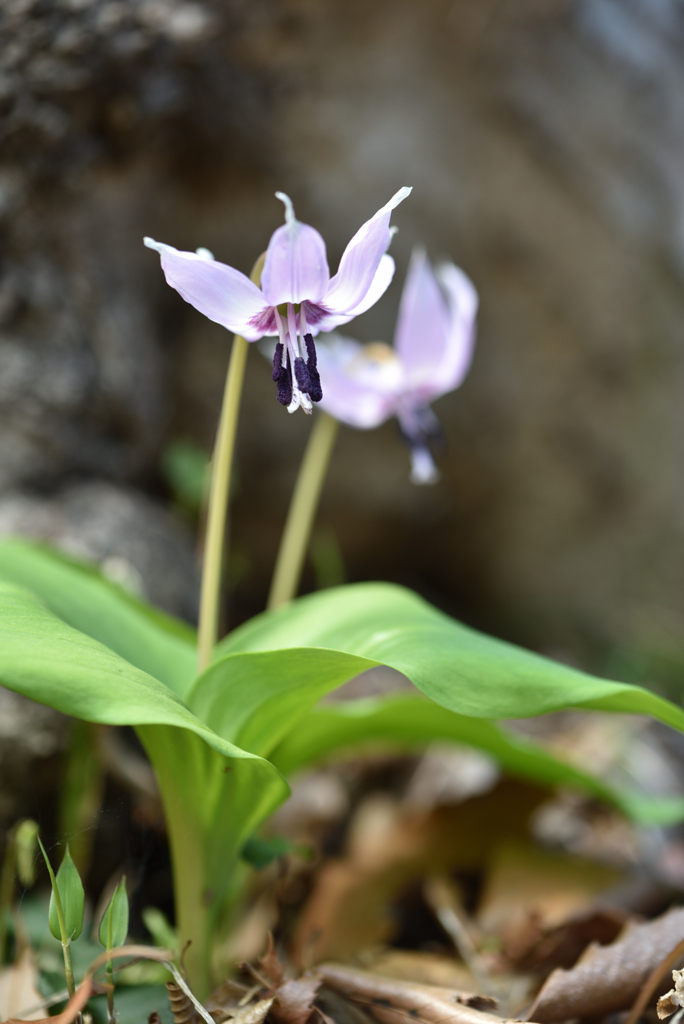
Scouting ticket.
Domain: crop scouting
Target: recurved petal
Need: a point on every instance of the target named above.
(220, 292)
(361, 260)
(346, 395)
(379, 285)
(296, 266)
(463, 302)
(421, 336)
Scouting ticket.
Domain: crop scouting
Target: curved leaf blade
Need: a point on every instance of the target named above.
(72, 899)
(255, 699)
(409, 722)
(147, 638)
(47, 660)
(114, 924)
(457, 667)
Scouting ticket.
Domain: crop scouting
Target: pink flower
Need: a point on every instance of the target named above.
(298, 297)
(433, 346)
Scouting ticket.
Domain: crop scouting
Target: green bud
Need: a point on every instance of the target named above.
(25, 837)
(114, 923)
(72, 899)
(159, 928)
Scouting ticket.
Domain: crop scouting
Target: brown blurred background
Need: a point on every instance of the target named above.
(544, 140)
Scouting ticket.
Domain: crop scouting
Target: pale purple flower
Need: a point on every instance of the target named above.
(298, 297)
(433, 345)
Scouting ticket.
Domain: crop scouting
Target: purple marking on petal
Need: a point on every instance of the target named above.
(296, 266)
(264, 322)
(315, 315)
(361, 260)
(220, 292)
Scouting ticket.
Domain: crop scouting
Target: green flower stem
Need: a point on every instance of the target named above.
(222, 464)
(302, 511)
(66, 941)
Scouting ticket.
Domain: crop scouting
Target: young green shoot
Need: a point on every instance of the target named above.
(18, 863)
(112, 933)
(67, 908)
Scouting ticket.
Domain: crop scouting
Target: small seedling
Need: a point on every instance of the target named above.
(19, 862)
(67, 907)
(112, 933)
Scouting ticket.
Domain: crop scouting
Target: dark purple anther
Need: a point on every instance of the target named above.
(315, 389)
(278, 362)
(282, 376)
(302, 375)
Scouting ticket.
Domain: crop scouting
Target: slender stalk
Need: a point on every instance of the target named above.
(222, 464)
(302, 511)
(109, 973)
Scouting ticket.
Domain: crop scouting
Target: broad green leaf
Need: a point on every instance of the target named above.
(255, 699)
(46, 659)
(114, 924)
(265, 702)
(408, 721)
(144, 636)
(457, 667)
(215, 794)
(72, 898)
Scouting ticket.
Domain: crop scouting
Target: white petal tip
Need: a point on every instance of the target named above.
(151, 244)
(423, 469)
(393, 230)
(204, 254)
(289, 208)
(399, 197)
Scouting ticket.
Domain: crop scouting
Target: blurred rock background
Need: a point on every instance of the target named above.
(544, 140)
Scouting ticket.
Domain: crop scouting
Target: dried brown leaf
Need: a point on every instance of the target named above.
(422, 967)
(524, 880)
(388, 848)
(294, 1000)
(608, 979)
(392, 1001)
(674, 999)
(19, 988)
(270, 964)
(229, 997)
(533, 947)
(71, 1010)
(252, 1013)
